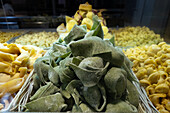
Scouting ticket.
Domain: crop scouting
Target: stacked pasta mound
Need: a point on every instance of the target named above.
(152, 68)
(136, 36)
(39, 39)
(5, 36)
(16, 62)
(83, 16)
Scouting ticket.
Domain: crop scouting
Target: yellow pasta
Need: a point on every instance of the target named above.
(40, 39)
(16, 62)
(152, 68)
(83, 16)
(11, 86)
(136, 36)
(5, 36)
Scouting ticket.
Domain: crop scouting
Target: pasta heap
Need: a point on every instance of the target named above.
(83, 16)
(152, 68)
(40, 39)
(5, 36)
(136, 36)
(16, 62)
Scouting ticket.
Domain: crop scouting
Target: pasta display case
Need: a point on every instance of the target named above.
(85, 56)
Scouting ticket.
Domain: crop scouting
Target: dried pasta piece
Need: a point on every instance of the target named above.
(5, 67)
(4, 78)
(23, 71)
(162, 88)
(154, 48)
(150, 60)
(150, 70)
(145, 83)
(155, 98)
(22, 59)
(7, 56)
(11, 86)
(162, 109)
(10, 48)
(163, 76)
(166, 103)
(140, 74)
(151, 89)
(154, 77)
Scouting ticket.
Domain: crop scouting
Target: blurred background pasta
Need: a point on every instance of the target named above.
(5, 36)
(39, 39)
(135, 36)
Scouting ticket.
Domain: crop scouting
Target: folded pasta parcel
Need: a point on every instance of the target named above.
(84, 73)
(16, 62)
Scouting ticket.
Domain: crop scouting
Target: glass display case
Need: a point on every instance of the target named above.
(49, 14)
(85, 56)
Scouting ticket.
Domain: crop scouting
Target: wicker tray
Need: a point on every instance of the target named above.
(20, 100)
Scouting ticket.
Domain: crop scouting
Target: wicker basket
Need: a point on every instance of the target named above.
(20, 100)
(18, 103)
(145, 104)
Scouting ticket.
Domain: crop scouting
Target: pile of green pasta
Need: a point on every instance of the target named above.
(83, 73)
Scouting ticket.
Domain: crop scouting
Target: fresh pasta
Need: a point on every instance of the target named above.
(5, 36)
(152, 68)
(16, 62)
(39, 39)
(135, 36)
(83, 16)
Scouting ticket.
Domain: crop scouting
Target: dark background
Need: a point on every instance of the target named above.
(154, 14)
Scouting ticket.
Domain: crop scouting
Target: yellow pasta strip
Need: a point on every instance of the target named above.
(5, 67)
(10, 48)
(11, 86)
(7, 56)
(4, 77)
(22, 59)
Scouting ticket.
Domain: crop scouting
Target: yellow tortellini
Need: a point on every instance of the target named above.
(39, 39)
(151, 64)
(5, 36)
(136, 36)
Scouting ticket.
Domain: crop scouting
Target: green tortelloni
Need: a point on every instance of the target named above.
(82, 108)
(74, 88)
(95, 96)
(95, 46)
(50, 103)
(133, 95)
(115, 81)
(90, 70)
(44, 67)
(45, 91)
(86, 108)
(120, 106)
(78, 32)
(64, 71)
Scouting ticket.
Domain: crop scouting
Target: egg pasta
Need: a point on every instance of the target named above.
(151, 64)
